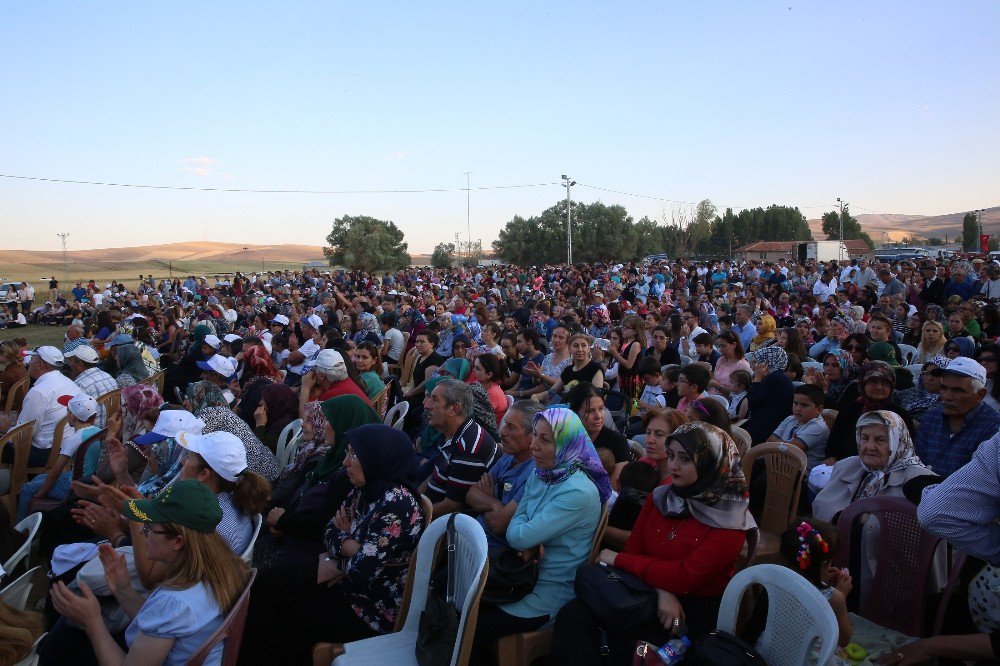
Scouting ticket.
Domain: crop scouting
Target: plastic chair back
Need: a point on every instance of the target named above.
(18, 390)
(829, 416)
(786, 468)
(406, 370)
(898, 595)
(19, 439)
(381, 402)
(510, 400)
(57, 438)
(111, 402)
(797, 615)
(32, 657)
(16, 594)
(959, 558)
(638, 449)
(812, 364)
(288, 434)
(231, 631)
(743, 439)
(427, 507)
(909, 353)
(30, 525)
(247, 555)
(395, 416)
(595, 546)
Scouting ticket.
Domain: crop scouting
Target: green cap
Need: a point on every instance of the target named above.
(189, 503)
(883, 351)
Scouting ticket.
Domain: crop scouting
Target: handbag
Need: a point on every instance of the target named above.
(618, 599)
(721, 648)
(438, 631)
(645, 655)
(511, 578)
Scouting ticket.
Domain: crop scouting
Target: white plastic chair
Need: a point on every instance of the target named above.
(247, 555)
(288, 434)
(31, 525)
(394, 417)
(16, 594)
(909, 353)
(685, 360)
(812, 364)
(32, 658)
(510, 400)
(797, 615)
(915, 370)
(638, 449)
(399, 648)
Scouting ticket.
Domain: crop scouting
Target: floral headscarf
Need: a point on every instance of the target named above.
(875, 370)
(137, 400)
(774, 357)
(367, 323)
(901, 453)
(204, 394)
(574, 451)
(918, 400)
(848, 373)
(310, 448)
(934, 312)
(719, 497)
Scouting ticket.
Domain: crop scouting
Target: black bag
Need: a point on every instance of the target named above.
(618, 599)
(720, 648)
(511, 578)
(440, 618)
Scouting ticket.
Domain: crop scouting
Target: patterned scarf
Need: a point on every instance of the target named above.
(574, 451)
(901, 453)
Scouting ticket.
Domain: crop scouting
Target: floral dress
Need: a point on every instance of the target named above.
(388, 530)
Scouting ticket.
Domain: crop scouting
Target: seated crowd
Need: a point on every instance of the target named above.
(543, 402)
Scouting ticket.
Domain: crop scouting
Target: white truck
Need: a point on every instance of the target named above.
(821, 251)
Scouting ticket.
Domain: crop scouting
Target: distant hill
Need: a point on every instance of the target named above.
(884, 228)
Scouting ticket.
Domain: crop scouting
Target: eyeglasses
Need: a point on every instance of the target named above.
(146, 530)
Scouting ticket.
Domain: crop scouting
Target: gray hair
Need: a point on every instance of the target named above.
(977, 385)
(337, 374)
(75, 327)
(524, 410)
(459, 393)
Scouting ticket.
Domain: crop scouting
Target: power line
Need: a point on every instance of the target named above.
(677, 201)
(270, 191)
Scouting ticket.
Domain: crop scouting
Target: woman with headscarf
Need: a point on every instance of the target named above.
(685, 544)
(770, 394)
(876, 383)
(129, 423)
(927, 393)
(354, 589)
(205, 400)
(259, 371)
(883, 460)
(960, 346)
(303, 508)
(131, 369)
(766, 327)
(278, 407)
(368, 327)
(186, 370)
(559, 512)
(312, 440)
(838, 378)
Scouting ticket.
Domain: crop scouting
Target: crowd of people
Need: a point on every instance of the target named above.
(537, 399)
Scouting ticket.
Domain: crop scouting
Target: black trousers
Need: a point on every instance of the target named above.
(577, 638)
(493, 624)
(287, 603)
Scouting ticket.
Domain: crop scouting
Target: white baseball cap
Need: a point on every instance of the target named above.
(313, 320)
(85, 353)
(966, 367)
(220, 364)
(170, 423)
(50, 355)
(329, 359)
(223, 452)
(280, 319)
(231, 337)
(81, 405)
(213, 341)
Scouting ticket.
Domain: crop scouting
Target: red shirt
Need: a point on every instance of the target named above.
(699, 560)
(344, 387)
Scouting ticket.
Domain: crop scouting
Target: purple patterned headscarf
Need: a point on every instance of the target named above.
(574, 451)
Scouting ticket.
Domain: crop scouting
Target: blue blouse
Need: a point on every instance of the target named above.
(188, 616)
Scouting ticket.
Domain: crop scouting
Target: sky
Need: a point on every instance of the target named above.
(890, 105)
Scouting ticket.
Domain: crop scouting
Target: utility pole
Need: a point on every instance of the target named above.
(569, 220)
(246, 258)
(840, 252)
(979, 219)
(64, 236)
(468, 211)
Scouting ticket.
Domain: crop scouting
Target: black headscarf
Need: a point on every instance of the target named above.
(387, 459)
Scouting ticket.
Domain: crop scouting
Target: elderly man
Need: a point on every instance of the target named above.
(84, 367)
(495, 496)
(890, 284)
(959, 285)
(865, 274)
(468, 450)
(41, 404)
(950, 433)
(74, 338)
(328, 379)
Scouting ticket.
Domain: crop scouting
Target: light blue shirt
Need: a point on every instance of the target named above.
(747, 332)
(509, 481)
(824, 347)
(188, 616)
(563, 517)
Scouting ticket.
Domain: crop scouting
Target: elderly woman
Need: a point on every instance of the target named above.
(877, 381)
(685, 544)
(770, 394)
(927, 393)
(131, 368)
(884, 461)
(205, 400)
(559, 513)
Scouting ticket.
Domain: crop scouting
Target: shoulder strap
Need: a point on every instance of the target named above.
(452, 565)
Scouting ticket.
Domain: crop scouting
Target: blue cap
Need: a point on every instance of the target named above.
(148, 438)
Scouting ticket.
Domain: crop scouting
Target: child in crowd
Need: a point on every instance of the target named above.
(691, 384)
(279, 345)
(706, 352)
(82, 411)
(738, 405)
(635, 481)
(808, 548)
(805, 428)
(652, 394)
(668, 383)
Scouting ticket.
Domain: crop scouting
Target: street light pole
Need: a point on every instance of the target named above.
(569, 220)
(468, 211)
(840, 252)
(64, 236)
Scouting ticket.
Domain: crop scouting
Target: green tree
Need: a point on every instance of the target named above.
(648, 238)
(362, 242)
(443, 255)
(852, 228)
(932, 241)
(970, 233)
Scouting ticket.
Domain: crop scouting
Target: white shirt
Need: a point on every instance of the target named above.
(395, 338)
(698, 330)
(41, 406)
(824, 291)
(309, 349)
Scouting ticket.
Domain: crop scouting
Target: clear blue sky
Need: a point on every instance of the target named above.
(891, 105)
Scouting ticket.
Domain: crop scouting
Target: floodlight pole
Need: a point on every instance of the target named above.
(64, 236)
(840, 252)
(569, 220)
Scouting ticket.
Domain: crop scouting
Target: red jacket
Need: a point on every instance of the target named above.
(699, 560)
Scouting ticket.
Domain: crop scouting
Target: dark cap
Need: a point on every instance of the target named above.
(189, 503)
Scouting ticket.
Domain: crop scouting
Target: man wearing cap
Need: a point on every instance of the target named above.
(54, 484)
(218, 370)
(950, 433)
(84, 367)
(328, 379)
(932, 290)
(300, 357)
(41, 404)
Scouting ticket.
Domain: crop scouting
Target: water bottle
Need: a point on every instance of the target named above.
(673, 651)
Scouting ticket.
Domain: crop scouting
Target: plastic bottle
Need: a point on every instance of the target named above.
(673, 651)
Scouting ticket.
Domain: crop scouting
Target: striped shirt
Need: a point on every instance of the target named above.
(461, 461)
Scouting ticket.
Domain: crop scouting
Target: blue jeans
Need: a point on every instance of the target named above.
(59, 490)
